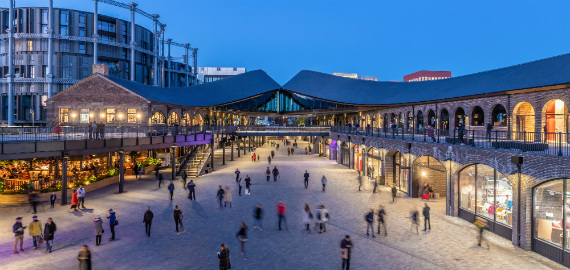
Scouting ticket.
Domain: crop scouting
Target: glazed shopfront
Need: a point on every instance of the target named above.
(551, 220)
(486, 193)
(374, 165)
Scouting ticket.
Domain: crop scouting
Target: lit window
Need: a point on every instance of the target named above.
(111, 115)
(30, 45)
(64, 115)
(84, 116)
(132, 115)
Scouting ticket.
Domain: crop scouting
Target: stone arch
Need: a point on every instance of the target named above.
(428, 170)
(397, 169)
(477, 116)
(459, 116)
(444, 120)
(187, 119)
(524, 121)
(173, 119)
(431, 119)
(555, 118)
(420, 120)
(197, 121)
(409, 120)
(499, 115)
(157, 118)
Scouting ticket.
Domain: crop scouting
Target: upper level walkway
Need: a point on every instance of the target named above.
(282, 131)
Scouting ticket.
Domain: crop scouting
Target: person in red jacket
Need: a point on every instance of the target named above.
(74, 200)
(281, 212)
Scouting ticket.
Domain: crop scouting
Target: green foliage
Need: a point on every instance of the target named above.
(151, 162)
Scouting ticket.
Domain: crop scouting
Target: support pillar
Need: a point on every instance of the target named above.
(238, 147)
(155, 48)
(173, 162)
(64, 180)
(133, 43)
(212, 152)
(223, 152)
(10, 75)
(232, 145)
(244, 147)
(121, 171)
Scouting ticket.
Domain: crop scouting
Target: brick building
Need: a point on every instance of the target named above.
(427, 75)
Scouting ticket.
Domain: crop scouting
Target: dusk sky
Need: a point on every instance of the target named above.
(388, 39)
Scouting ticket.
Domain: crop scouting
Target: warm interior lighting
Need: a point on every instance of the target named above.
(423, 173)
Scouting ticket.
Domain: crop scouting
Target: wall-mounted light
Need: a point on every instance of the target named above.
(73, 115)
(102, 115)
(120, 116)
(138, 115)
(91, 115)
(423, 173)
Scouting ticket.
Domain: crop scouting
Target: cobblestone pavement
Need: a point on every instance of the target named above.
(450, 244)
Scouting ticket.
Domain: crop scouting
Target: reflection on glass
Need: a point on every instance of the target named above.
(549, 212)
(467, 189)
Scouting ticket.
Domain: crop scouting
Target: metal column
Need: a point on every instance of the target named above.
(187, 63)
(10, 75)
(49, 75)
(169, 42)
(95, 31)
(155, 48)
(224, 152)
(121, 171)
(163, 62)
(195, 56)
(63, 180)
(212, 152)
(232, 145)
(173, 161)
(133, 43)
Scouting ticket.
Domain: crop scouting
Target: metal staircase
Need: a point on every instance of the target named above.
(195, 164)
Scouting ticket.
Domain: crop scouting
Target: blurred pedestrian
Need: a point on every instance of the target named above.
(275, 173)
(18, 230)
(346, 247)
(178, 218)
(306, 177)
(481, 224)
(35, 231)
(141, 171)
(52, 199)
(394, 191)
(171, 189)
(160, 178)
(414, 216)
(34, 199)
(254, 156)
(191, 190)
(240, 186)
(81, 196)
(49, 234)
(74, 200)
(227, 197)
(281, 212)
(258, 217)
(324, 182)
(224, 257)
(269, 160)
(323, 219)
(307, 217)
(370, 222)
(112, 223)
(147, 220)
(427, 223)
(220, 196)
(241, 235)
(184, 178)
(375, 186)
(237, 172)
(268, 174)
(306, 150)
(247, 185)
(381, 220)
(84, 258)
(98, 223)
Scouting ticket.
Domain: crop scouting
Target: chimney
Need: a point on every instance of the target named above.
(102, 69)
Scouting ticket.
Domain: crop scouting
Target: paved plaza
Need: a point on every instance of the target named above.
(450, 244)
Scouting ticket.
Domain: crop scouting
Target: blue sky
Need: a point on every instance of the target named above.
(387, 39)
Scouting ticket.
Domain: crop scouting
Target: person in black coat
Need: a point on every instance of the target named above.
(147, 220)
(224, 257)
(346, 246)
(84, 258)
(52, 199)
(49, 233)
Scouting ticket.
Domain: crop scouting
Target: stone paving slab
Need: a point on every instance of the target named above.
(450, 244)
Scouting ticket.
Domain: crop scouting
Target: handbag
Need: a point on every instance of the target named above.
(41, 240)
(116, 222)
(344, 253)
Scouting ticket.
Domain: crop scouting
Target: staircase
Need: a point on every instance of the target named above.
(195, 164)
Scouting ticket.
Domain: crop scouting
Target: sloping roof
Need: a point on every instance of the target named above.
(545, 72)
(203, 95)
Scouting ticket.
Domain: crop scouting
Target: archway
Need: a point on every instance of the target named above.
(431, 119)
(477, 117)
(459, 116)
(401, 121)
(197, 121)
(410, 120)
(357, 157)
(499, 115)
(429, 171)
(444, 120)
(486, 193)
(524, 117)
(556, 113)
(174, 119)
(187, 120)
(393, 119)
(157, 118)
(379, 118)
(374, 165)
(385, 122)
(344, 154)
(398, 168)
(420, 120)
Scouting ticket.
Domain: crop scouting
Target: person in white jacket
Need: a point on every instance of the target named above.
(307, 217)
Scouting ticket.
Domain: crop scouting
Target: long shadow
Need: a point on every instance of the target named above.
(199, 210)
(77, 213)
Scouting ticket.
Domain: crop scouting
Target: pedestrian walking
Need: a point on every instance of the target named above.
(369, 218)
(240, 186)
(427, 223)
(220, 196)
(52, 199)
(324, 182)
(306, 176)
(414, 216)
(81, 197)
(224, 257)
(258, 217)
(178, 218)
(481, 224)
(292, 151)
(381, 220)
(272, 154)
(241, 235)
(140, 171)
(346, 247)
(489, 130)
(184, 177)
(171, 189)
(307, 217)
(35, 231)
(191, 190)
(34, 199)
(74, 200)
(147, 220)
(306, 150)
(254, 157)
(394, 191)
(275, 173)
(324, 218)
(98, 223)
(375, 186)
(227, 197)
(112, 217)
(84, 258)
(281, 212)
(18, 230)
(156, 172)
(359, 179)
(258, 156)
(94, 129)
(237, 172)
(268, 174)
(160, 178)
(49, 234)
(269, 160)
(288, 151)
(90, 130)
(247, 185)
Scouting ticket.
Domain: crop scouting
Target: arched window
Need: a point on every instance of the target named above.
(477, 117)
(548, 214)
(499, 115)
(187, 121)
(420, 120)
(385, 122)
(459, 117)
(157, 118)
(431, 118)
(174, 119)
(444, 120)
(393, 119)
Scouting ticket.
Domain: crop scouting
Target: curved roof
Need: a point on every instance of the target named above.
(204, 95)
(545, 72)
